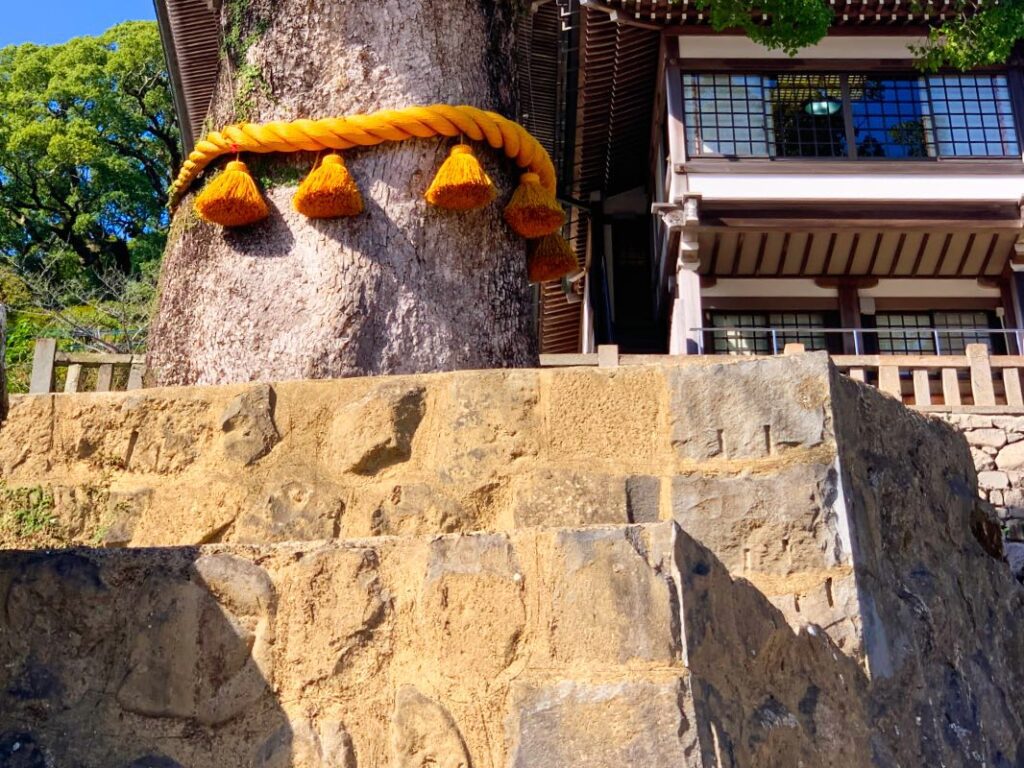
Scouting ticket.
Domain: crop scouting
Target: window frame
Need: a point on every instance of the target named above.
(879, 68)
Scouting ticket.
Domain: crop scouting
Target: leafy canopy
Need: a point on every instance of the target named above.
(974, 33)
(88, 145)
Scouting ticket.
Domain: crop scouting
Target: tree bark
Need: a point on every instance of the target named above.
(401, 288)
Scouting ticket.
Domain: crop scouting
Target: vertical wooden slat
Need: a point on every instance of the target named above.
(922, 390)
(71, 381)
(857, 374)
(3, 360)
(1011, 382)
(981, 375)
(135, 376)
(42, 366)
(889, 380)
(104, 377)
(793, 348)
(950, 387)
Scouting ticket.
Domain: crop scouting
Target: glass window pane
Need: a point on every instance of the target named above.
(725, 115)
(973, 118)
(808, 115)
(805, 115)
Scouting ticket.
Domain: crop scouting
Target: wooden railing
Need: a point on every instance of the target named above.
(110, 369)
(975, 379)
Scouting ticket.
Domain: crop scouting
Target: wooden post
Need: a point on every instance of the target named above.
(3, 360)
(950, 386)
(981, 374)
(104, 377)
(1011, 383)
(136, 370)
(793, 348)
(889, 380)
(42, 366)
(922, 388)
(72, 378)
(607, 356)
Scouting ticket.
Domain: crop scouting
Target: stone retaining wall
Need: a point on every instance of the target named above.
(742, 565)
(997, 447)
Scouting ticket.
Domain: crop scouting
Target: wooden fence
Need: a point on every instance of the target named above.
(47, 362)
(974, 380)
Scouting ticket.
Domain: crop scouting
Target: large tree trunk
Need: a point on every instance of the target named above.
(402, 288)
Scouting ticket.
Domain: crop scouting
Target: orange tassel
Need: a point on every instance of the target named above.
(533, 211)
(461, 184)
(550, 258)
(232, 199)
(329, 191)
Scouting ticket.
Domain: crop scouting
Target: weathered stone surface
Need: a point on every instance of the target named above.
(601, 725)
(1011, 457)
(248, 425)
(560, 498)
(785, 413)
(423, 733)
(827, 597)
(643, 498)
(377, 431)
(993, 480)
(993, 438)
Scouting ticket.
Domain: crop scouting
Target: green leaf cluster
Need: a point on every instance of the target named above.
(88, 146)
(973, 34)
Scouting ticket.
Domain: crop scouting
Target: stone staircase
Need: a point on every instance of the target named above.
(706, 564)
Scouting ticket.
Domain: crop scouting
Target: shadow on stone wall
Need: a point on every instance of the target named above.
(146, 659)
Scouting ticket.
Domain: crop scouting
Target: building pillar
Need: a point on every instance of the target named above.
(849, 317)
(687, 313)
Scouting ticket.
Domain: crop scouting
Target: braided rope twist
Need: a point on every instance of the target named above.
(367, 131)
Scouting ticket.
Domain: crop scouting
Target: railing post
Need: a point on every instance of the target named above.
(3, 360)
(607, 357)
(981, 374)
(794, 348)
(138, 365)
(950, 386)
(42, 366)
(889, 380)
(74, 374)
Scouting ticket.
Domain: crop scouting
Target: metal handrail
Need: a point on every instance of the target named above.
(775, 332)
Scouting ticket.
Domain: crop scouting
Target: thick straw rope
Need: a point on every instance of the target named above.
(367, 131)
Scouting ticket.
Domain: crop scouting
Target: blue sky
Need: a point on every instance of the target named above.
(54, 21)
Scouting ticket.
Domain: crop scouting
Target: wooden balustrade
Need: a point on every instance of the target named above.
(47, 361)
(974, 380)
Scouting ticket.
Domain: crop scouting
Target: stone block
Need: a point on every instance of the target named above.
(1011, 457)
(610, 604)
(248, 425)
(377, 431)
(643, 498)
(562, 498)
(487, 423)
(993, 438)
(601, 725)
(747, 410)
(621, 420)
(993, 480)
(1009, 423)
(982, 461)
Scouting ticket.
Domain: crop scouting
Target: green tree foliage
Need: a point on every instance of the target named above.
(973, 34)
(88, 146)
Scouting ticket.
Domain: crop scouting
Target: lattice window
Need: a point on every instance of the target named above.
(848, 116)
(914, 334)
(749, 333)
